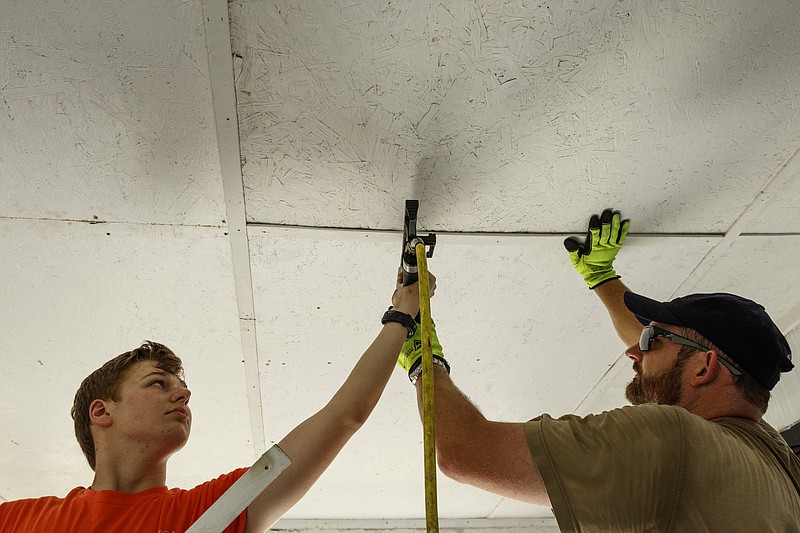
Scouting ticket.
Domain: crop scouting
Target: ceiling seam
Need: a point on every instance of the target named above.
(491, 515)
(223, 93)
(466, 525)
(734, 231)
(300, 227)
(789, 321)
(117, 222)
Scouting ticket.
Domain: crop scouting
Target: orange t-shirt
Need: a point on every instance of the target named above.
(157, 510)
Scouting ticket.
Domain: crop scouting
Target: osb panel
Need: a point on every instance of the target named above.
(106, 113)
(513, 116)
(75, 295)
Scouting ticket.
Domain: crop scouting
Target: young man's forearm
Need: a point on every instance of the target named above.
(358, 395)
(314, 443)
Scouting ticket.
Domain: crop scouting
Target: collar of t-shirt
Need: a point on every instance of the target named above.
(111, 496)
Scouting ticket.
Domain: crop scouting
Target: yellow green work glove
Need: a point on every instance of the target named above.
(594, 258)
(410, 358)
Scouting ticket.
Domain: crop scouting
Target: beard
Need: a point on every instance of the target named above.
(663, 388)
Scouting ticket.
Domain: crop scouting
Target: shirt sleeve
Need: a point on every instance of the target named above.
(611, 471)
(194, 502)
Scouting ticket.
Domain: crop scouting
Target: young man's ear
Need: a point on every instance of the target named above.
(98, 414)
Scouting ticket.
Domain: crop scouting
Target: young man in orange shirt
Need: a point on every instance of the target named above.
(133, 413)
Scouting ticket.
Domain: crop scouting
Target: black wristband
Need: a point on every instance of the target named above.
(401, 318)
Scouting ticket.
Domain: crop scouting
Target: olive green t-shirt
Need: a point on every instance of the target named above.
(660, 468)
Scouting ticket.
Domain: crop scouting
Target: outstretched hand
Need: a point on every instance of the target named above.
(406, 299)
(594, 258)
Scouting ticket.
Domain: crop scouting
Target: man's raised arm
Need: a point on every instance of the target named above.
(594, 258)
(493, 456)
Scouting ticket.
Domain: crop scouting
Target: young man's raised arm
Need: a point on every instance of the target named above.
(314, 444)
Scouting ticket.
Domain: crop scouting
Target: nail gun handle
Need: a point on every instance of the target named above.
(409, 265)
(408, 261)
(408, 272)
(408, 257)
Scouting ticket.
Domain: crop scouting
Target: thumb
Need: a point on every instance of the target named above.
(572, 244)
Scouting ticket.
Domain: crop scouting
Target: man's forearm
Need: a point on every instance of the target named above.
(493, 456)
(454, 415)
(628, 327)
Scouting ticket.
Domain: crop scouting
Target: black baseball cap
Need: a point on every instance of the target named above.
(740, 327)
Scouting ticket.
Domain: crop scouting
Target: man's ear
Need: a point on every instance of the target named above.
(707, 370)
(98, 414)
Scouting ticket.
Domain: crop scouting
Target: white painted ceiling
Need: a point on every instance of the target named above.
(232, 187)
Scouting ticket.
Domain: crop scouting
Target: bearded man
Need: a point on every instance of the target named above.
(691, 454)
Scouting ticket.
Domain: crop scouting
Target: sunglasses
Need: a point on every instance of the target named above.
(651, 332)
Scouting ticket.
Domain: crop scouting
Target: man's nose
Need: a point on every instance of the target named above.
(634, 352)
